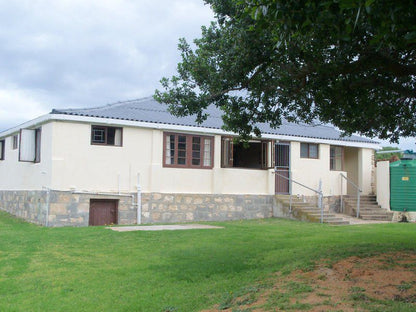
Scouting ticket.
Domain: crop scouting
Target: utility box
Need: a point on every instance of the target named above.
(403, 185)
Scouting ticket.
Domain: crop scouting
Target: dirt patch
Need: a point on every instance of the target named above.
(353, 284)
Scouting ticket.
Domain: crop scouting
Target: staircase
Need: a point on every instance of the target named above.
(369, 208)
(307, 212)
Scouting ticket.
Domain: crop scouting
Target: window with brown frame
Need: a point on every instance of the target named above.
(2, 150)
(309, 150)
(102, 135)
(188, 151)
(251, 155)
(336, 158)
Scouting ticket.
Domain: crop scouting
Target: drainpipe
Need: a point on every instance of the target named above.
(118, 183)
(101, 193)
(139, 200)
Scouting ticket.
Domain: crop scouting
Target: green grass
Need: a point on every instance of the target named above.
(95, 269)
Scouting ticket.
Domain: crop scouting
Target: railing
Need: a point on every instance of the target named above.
(358, 193)
(318, 191)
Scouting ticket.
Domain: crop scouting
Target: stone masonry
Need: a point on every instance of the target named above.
(60, 208)
(31, 206)
(160, 208)
(72, 209)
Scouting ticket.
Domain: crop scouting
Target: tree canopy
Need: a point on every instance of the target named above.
(350, 63)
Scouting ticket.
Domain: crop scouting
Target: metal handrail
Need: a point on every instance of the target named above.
(319, 192)
(358, 193)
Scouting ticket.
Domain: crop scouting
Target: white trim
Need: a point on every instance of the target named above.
(140, 124)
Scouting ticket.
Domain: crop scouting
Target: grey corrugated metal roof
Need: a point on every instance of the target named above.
(149, 110)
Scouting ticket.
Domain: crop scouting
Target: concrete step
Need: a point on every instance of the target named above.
(326, 215)
(341, 222)
(376, 217)
(307, 209)
(312, 211)
(298, 203)
(369, 208)
(354, 201)
(361, 196)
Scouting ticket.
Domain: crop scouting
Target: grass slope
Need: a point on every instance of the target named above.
(95, 269)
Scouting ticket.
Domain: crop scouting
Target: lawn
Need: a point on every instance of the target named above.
(96, 269)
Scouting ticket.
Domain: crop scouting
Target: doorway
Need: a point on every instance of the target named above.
(103, 212)
(282, 166)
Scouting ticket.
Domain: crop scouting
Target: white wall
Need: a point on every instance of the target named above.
(69, 161)
(16, 175)
(81, 166)
(309, 171)
(351, 167)
(383, 184)
(77, 164)
(365, 169)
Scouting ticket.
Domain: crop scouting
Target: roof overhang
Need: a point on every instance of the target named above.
(171, 127)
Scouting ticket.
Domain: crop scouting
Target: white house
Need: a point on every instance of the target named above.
(133, 162)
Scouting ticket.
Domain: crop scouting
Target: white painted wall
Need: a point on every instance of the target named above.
(351, 167)
(69, 161)
(365, 169)
(309, 171)
(79, 165)
(16, 175)
(383, 184)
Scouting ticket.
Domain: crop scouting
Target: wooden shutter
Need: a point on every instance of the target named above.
(264, 154)
(226, 152)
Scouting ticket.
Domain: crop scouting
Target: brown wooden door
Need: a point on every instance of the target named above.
(282, 167)
(103, 211)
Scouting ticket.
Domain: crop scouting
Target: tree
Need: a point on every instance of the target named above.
(389, 156)
(350, 63)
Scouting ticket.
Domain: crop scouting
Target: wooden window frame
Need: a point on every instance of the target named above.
(227, 144)
(189, 150)
(342, 157)
(308, 145)
(105, 128)
(2, 152)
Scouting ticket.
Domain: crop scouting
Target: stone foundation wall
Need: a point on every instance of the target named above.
(409, 216)
(60, 208)
(73, 209)
(28, 205)
(160, 208)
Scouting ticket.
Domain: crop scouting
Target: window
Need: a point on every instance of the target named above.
(101, 135)
(336, 158)
(37, 145)
(309, 150)
(30, 145)
(2, 150)
(252, 155)
(190, 151)
(15, 142)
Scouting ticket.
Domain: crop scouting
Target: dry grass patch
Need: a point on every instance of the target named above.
(386, 282)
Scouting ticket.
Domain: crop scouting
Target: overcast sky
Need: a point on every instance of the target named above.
(80, 53)
(84, 53)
